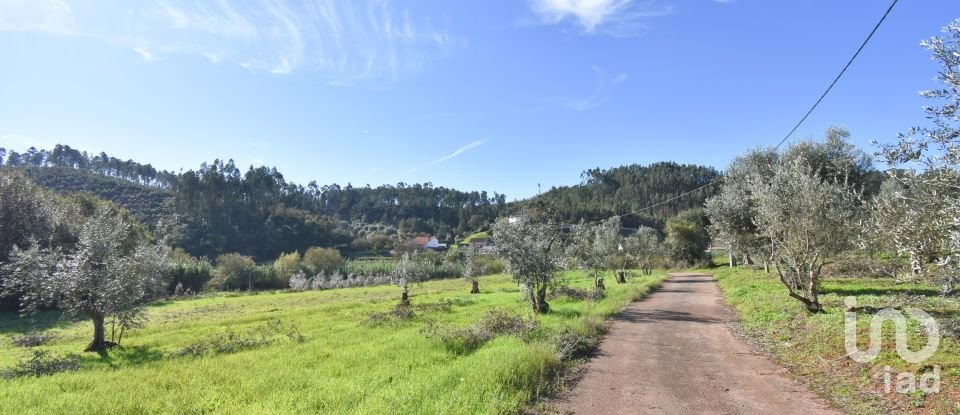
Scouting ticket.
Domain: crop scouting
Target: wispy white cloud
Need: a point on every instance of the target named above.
(614, 17)
(147, 55)
(23, 141)
(456, 153)
(606, 86)
(347, 39)
(50, 16)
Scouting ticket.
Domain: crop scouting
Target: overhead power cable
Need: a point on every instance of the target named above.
(792, 130)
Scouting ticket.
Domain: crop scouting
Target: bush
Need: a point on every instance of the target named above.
(317, 260)
(493, 323)
(286, 266)
(32, 339)
(234, 271)
(42, 363)
(393, 316)
(864, 266)
(190, 273)
(951, 327)
(575, 293)
(688, 239)
(489, 264)
(575, 343)
(231, 342)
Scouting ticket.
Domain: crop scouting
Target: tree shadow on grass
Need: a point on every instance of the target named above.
(884, 291)
(13, 323)
(131, 355)
(566, 312)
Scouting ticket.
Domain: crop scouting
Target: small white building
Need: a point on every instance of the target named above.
(517, 219)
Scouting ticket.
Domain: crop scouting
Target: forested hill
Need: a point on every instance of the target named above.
(148, 203)
(619, 190)
(217, 208)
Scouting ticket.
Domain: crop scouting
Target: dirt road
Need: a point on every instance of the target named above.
(672, 353)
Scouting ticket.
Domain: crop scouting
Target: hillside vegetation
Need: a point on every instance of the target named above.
(148, 203)
(620, 190)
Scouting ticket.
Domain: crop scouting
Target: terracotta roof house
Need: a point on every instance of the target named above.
(427, 242)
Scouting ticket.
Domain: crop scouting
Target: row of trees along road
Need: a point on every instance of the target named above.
(535, 251)
(802, 207)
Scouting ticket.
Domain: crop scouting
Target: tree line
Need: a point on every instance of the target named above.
(803, 207)
(217, 208)
(620, 190)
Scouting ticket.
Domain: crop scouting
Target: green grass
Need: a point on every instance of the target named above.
(476, 235)
(812, 346)
(345, 365)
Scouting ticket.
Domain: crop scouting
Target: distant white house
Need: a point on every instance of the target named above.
(428, 242)
(517, 219)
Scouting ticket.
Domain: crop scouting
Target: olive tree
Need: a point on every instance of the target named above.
(732, 210)
(98, 280)
(532, 253)
(473, 269)
(593, 247)
(921, 217)
(408, 271)
(642, 247)
(807, 220)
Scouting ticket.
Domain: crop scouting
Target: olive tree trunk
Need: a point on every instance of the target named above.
(99, 343)
(803, 284)
(405, 297)
(538, 298)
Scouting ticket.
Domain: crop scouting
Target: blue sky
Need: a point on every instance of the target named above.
(477, 95)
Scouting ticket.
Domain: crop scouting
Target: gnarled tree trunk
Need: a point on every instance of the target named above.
(538, 299)
(99, 343)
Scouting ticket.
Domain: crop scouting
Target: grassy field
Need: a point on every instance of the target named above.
(308, 352)
(475, 236)
(812, 346)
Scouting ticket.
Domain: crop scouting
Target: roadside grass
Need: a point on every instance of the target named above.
(812, 346)
(310, 352)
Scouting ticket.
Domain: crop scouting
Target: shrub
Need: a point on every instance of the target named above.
(688, 239)
(42, 363)
(32, 339)
(864, 266)
(190, 273)
(493, 323)
(951, 327)
(299, 282)
(574, 293)
(572, 344)
(317, 260)
(393, 316)
(234, 271)
(231, 342)
(286, 266)
(575, 343)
